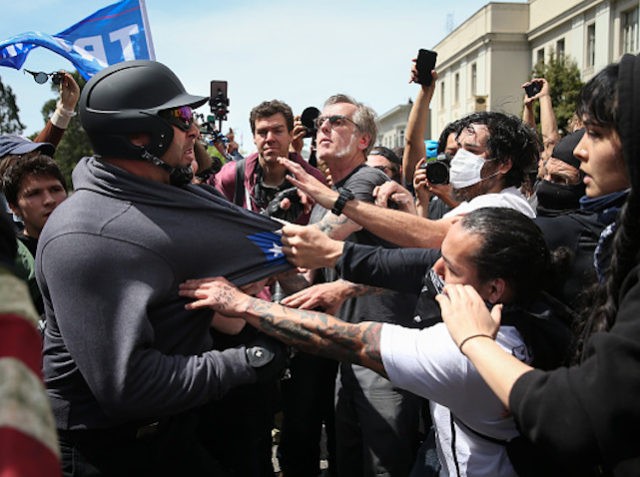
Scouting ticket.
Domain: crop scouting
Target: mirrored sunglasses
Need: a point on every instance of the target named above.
(181, 117)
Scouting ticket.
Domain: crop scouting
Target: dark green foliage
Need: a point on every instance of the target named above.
(563, 76)
(9, 120)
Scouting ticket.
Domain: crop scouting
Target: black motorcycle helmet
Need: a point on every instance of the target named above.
(124, 99)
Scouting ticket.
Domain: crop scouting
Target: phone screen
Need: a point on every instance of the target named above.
(425, 63)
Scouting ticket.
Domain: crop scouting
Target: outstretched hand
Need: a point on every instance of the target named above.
(216, 293)
(465, 313)
(392, 192)
(309, 247)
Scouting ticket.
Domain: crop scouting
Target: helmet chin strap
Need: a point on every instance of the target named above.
(178, 176)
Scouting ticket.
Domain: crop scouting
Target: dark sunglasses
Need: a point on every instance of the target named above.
(385, 168)
(336, 120)
(181, 117)
(41, 77)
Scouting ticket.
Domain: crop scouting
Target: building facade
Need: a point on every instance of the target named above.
(392, 124)
(484, 61)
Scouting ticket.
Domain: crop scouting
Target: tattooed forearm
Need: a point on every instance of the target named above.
(319, 333)
(338, 227)
(293, 282)
(357, 289)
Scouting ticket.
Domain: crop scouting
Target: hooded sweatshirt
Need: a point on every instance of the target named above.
(119, 345)
(588, 416)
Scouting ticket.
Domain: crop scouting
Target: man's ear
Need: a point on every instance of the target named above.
(140, 139)
(15, 209)
(364, 141)
(497, 290)
(505, 166)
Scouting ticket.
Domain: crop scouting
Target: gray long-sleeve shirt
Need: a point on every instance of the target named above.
(119, 344)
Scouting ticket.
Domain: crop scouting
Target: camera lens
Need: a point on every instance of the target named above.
(437, 172)
(307, 118)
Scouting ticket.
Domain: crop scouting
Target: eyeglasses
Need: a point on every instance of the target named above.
(41, 77)
(181, 117)
(336, 120)
(384, 168)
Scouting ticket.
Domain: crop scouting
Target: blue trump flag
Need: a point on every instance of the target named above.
(113, 34)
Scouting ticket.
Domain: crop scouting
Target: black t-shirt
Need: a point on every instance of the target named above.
(390, 306)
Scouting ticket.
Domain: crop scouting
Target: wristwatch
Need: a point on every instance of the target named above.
(345, 196)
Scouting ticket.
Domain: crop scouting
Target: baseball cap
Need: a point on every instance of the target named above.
(563, 151)
(12, 144)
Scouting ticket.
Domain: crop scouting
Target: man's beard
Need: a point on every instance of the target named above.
(341, 153)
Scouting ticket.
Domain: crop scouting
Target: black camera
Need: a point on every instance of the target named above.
(533, 88)
(438, 169)
(292, 213)
(308, 120)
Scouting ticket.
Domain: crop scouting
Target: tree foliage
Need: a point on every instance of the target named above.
(563, 76)
(75, 142)
(9, 119)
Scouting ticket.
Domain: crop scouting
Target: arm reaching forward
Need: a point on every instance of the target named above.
(310, 331)
(403, 229)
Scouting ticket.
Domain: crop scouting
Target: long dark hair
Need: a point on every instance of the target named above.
(609, 99)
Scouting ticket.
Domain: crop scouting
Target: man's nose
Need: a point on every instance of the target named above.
(271, 135)
(193, 130)
(48, 197)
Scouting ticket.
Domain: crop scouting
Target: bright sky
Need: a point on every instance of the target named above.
(298, 52)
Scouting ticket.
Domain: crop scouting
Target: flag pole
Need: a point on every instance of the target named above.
(147, 29)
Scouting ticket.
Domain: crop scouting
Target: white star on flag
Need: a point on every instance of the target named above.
(276, 250)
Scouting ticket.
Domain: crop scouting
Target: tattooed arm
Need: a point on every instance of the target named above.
(338, 227)
(309, 331)
(329, 296)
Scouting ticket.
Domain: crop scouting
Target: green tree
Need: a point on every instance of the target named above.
(563, 76)
(9, 119)
(75, 142)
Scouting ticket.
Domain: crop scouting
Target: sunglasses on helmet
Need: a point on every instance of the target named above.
(181, 117)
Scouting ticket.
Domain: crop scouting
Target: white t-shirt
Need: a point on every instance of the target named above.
(428, 363)
(511, 197)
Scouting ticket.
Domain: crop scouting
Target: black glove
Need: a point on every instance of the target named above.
(267, 356)
(293, 212)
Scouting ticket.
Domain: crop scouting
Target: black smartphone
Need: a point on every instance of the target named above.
(532, 89)
(218, 92)
(425, 63)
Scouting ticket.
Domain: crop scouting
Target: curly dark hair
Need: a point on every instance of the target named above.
(36, 164)
(452, 127)
(509, 139)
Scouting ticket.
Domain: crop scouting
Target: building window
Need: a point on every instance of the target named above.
(560, 48)
(442, 95)
(400, 139)
(456, 88)
(591, 45)
(540, 56)
(630, 31)
(474, 78)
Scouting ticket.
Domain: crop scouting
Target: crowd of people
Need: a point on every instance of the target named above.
(456, 307)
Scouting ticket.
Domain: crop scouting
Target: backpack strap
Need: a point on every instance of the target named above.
(238, 191)
(495, 440)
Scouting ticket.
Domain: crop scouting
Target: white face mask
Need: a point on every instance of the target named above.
(465, 169)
